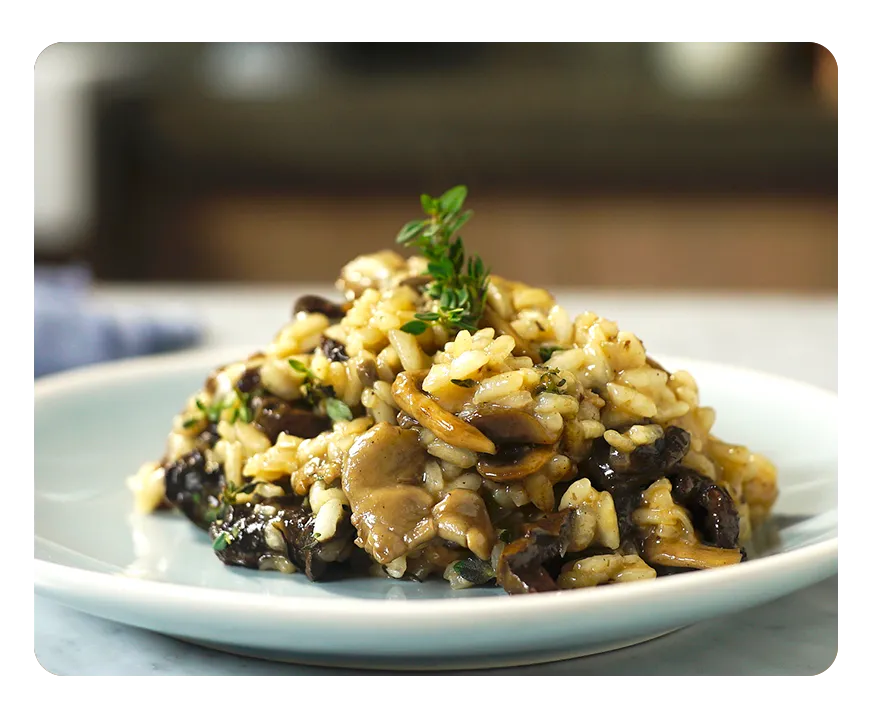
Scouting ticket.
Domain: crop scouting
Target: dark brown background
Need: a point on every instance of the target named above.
(585, 167)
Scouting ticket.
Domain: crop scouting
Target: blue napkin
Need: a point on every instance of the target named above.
(70, 329)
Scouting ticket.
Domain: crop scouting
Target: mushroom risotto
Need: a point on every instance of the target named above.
(445, 421)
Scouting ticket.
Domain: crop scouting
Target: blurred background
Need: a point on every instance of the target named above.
(653, 166)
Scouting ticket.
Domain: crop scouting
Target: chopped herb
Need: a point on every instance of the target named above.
(315, 392)
(475, 570)
(213, 514)
(465, 383)
(459, 284)
(505, 535)
(547, 352)
(225, 538)
(297, 365)
(550, 381)
(237, 402)
(416, 326)
(338, 410)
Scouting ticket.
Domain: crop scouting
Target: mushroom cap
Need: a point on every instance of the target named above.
(383, 480)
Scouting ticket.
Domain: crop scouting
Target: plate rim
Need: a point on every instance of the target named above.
(820, 557)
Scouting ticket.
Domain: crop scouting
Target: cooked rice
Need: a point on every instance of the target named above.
(598, 389)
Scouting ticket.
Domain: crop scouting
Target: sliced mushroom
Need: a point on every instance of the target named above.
(712, 509)
(313, 304)
(406, 391)
(193, 489)
(507, 426)
(681, 554)
(333, 350)
(249, 381)
(263, 535)
(383, 480)
(520, 567)
(514, 462)
(617, 472)
(462, 517)
(273, 416)
(491, 319)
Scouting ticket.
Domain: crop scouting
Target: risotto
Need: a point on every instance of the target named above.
(442, 421)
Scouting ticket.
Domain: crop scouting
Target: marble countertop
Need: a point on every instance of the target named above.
(794, 336)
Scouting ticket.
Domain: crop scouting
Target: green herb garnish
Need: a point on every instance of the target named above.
(237, 400)
(338, 410)
(212, 514)
(550, 381)
(225, 538)
(475, 570)
(458, 284)
(547, 352)
(465, 383)
(315, 392)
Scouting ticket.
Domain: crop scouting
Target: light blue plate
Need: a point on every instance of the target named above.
(93, 427)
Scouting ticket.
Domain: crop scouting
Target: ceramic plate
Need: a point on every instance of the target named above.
(93, 427)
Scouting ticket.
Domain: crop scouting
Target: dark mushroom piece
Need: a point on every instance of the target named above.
(615, 471)
(514, 462)
(249, 381)
(208, 437)
(333, 350)
(192, 489)
(507, 426)
(313, 304)
(273, 416)
(520, 568)
(261, 535)
(711, 508)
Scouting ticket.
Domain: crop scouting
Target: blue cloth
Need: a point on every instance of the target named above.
(70, 330)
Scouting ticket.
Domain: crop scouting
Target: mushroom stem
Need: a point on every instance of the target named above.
(685, 555)
(406, 391)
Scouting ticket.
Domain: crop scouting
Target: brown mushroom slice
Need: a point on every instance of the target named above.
(462, 517)
(406, 391)
(313, 304)
(490, 318)
(520, 567)
(508, 426)
(383, 480)
(680, 554)
(514, 462)
(274, 416)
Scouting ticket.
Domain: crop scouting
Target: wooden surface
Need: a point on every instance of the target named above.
(761, 243)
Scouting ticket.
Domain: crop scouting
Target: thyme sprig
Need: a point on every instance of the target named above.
(314, 392)
(550, 381)
(458, 283)
(236, 400)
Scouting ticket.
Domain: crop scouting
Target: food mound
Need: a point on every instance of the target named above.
(443, 421)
